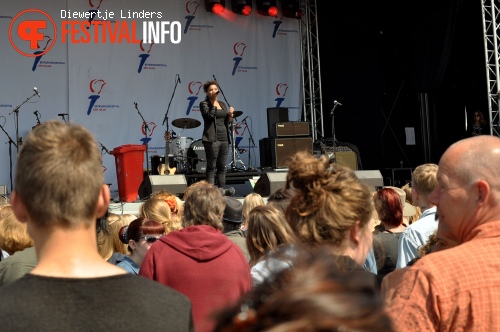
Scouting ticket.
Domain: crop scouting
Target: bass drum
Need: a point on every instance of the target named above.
(196, 157)
(180, 146)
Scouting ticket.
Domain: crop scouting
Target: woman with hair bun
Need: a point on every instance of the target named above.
(331, 207)
(139, 235)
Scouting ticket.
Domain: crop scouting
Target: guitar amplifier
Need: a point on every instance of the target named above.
(290, 129)
(344, 156)
(282, 149)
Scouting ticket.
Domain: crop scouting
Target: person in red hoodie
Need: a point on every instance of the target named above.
(200, 261)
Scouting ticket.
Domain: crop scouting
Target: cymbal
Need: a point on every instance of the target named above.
(237, 114)
(186, 123)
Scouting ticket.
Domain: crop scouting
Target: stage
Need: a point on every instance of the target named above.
(242, 181)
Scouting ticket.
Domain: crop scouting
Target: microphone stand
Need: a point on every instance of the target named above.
(10, 155)
(62, 115)
(103, 148)
(165, 119)
(251, 142)
(37, 115)
(16, 120)
(146, 128)
(233, 139)
(333, 133)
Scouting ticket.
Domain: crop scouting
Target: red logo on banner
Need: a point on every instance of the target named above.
(31, 31)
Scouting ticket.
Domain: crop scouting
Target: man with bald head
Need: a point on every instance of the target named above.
(458, 289)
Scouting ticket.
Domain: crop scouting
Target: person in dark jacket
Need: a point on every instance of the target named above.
(216, 119)
(232, 221)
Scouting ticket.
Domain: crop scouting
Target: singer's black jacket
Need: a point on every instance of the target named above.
(209, 129)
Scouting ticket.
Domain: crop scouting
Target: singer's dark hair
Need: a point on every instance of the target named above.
(208, 83)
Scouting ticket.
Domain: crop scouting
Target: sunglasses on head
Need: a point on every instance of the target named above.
(150, 239)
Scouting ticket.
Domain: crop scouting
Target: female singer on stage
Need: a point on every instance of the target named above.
(216, 117)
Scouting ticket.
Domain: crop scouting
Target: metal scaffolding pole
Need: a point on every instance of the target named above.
(312, 105)
(490, 33)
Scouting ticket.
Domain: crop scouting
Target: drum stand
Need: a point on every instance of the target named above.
(235, 156)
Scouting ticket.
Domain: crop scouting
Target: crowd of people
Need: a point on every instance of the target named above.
(326, 252)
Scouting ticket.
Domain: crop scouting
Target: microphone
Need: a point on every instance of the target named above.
(62, 114)
(179, 78)
(337, 103)
(245, 118)
(35, 112)
(36, 91)
(135, 104)
(217, 92)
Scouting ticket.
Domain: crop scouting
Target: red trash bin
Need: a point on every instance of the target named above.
(129, 161)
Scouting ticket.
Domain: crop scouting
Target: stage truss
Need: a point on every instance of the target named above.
(312, 105)
(491, 43)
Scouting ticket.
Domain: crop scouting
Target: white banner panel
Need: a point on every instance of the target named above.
(98, 70)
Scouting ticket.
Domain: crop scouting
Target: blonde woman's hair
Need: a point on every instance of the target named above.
(249, 202)
(109, 241)
(157, 208)
(13, 233)
(267, 230)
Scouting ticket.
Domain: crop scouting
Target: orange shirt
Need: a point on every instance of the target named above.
(453, 290)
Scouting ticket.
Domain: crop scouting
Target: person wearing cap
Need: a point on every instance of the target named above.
(423, 182)
(232, 221)
(389, 202)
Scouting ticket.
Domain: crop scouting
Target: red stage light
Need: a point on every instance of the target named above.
(247, 10)
(215, 6)
(217, 9)
(272, 11)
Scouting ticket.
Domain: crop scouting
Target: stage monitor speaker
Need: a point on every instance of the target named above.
(269, 182)
(175, 183)
(265, 152)
(275, 114)
(373, 179)
(282, 149)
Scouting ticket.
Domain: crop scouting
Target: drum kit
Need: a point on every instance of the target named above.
(185, 154)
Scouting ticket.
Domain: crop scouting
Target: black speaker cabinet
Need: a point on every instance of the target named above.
(274, 115)
(265, 152)
(175, 183)
(269, 182)
(284, 148)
